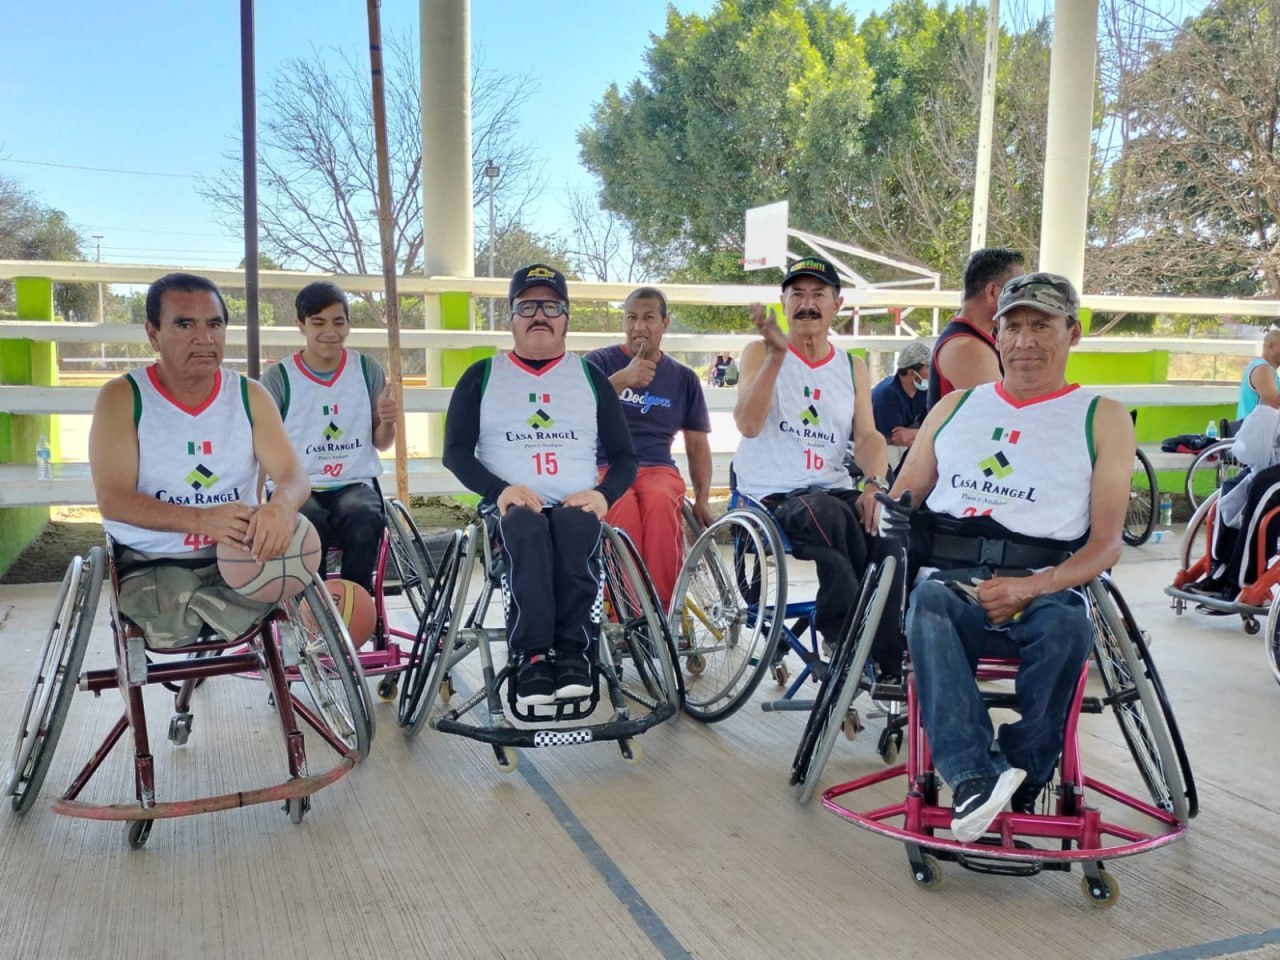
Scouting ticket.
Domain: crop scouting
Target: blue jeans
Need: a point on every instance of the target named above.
(947, 633)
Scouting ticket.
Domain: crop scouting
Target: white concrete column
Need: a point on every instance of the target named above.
(449, 240)
(986, 120)
(1068, 147)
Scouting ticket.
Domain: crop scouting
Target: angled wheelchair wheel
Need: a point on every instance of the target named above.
(841, 681)
(1212, 467)
(1140, 517)
(691, 525)
(328, 665)
(725, 612)
(1272, 638)
(413, 566)
(443, 625)
(432, 624)
(53, 683)
(1137, 697)
(634, 626)
(1195, 542)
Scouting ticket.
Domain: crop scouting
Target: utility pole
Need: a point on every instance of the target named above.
(491, 172)
(98, 259)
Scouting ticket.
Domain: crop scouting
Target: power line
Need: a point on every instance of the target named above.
(73, 166)
(170, 233)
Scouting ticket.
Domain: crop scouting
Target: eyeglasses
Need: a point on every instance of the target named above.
(550, 308)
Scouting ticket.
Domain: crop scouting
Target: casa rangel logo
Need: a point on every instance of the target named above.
(540, 419)
(809, 415)
(200, 477)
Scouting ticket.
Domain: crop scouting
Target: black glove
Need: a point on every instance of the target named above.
(895, 517)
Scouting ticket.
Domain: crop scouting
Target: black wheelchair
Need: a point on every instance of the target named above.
(632, 657)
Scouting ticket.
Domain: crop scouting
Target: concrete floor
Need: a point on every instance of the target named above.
(699, 850)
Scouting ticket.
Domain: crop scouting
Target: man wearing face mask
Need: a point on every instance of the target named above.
(522, 431)
(660, 397)
(901, 400)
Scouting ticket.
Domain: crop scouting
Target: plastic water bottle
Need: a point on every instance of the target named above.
(1166, 510)
(1211, 431)
(44, 462)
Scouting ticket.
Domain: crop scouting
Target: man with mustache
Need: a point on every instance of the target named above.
(1027, 483)
(339, 411)
(799, 402)
(522, 432)
(660, 396)
(965, 353)
(175, 450)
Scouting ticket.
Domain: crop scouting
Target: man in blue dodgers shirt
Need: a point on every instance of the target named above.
(660, 396)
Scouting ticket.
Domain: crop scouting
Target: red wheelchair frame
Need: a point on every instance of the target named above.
(304, 640)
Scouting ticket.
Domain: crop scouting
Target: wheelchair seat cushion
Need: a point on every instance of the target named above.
(174, 602)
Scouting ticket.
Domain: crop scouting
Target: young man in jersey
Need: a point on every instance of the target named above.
(799, 402)
(522, 432)
(660, 397)
(175, 450)
(1260, 383)
(1027, 483)
(965, 353)
(339, 411)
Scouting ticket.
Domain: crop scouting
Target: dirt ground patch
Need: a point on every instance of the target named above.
(74, 531)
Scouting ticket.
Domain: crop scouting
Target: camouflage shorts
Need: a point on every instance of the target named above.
(176, 603)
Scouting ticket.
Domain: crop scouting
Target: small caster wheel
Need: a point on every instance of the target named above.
(1101, 891)
(297, 807)
(180, 728)
(695, 663)
(137, 832)
(1251, 626)
(446, 690)
(631, 752)
(505, 760)
(889, 745)
(851, 725)
(928, 872)
(387, 689)
(780, 673)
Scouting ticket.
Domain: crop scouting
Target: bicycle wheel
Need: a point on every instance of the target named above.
(1140, 517)
(1211, 468)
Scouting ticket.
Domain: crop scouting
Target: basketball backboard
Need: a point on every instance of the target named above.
(765, 239)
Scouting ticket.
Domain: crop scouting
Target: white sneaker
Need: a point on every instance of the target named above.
(976, 803)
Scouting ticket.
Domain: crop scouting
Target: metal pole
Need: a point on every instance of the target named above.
(385, 228)
(491, 173)
(249, 125)
(98, 259)
(986, 119)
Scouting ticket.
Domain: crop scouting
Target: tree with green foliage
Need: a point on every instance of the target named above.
(30, 230)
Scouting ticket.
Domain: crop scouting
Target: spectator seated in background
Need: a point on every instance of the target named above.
(1260, 383)
(901, 400)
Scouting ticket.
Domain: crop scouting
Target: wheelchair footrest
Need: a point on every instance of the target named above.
(616, 728)
(997, 867)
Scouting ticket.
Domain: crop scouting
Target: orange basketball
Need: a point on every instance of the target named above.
(356, 608)
(278, 579)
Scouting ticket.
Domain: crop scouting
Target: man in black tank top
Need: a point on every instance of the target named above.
(965, 353)
(1000, 591)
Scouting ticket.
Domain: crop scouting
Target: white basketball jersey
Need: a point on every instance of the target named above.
(330, 422)
(806, 433)
(538, 427)
(196, 457)
(1026, 464)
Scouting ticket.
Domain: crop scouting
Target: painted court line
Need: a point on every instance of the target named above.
(1217, 948)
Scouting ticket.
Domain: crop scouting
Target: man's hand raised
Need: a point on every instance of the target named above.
(644, 364)
(775, 340)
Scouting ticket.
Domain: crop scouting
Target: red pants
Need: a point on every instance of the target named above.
(650, 514)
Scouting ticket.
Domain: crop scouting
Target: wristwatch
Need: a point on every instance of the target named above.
(880, 482)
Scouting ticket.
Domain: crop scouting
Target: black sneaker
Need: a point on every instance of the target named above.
(1027, 797)
(976, 803)
(573, 677)
(1213, 587)
(535, 680)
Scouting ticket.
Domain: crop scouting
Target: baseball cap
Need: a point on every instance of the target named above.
(1047, 292)
(812, 267)
(913, 354)
(537, 275)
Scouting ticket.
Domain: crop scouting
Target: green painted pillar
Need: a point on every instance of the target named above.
(26, 362)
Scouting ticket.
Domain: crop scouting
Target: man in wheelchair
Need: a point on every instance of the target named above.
(174, 451)
(521, 432)
(800, 400)
(1026, 482)
(339, 411)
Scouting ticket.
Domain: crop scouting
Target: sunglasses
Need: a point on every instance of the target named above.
(550, 308)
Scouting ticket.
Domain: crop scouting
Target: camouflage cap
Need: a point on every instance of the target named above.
(1047, 292)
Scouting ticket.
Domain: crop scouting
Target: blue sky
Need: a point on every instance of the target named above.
(155, 87)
